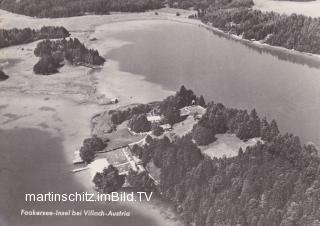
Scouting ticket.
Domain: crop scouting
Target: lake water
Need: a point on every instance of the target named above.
(32, 161)
(279, 85)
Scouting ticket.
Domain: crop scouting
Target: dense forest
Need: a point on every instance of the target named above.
(202, 5)
(296, 32)
(274, 183)
(298, 0)
(68, 8)
(53, 53)
(21, 36)
(219, 120)
(119, 116)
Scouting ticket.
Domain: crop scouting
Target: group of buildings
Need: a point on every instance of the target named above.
(122, 157)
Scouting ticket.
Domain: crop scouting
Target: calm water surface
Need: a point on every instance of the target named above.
(279, 85)
(32, 161)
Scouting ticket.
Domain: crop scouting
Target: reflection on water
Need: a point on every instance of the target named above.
(281, 54)
(278, 84)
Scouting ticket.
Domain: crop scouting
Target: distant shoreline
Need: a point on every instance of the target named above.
(258, 44)
(169, 15)
(114, 86)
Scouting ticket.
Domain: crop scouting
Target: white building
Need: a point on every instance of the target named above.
(166, 127)
(192, 110)
(154, 118)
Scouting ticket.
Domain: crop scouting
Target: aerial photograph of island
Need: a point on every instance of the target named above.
(176, 112)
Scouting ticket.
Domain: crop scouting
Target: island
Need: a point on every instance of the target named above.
(102, 126)
(53, 53)
(239, 188)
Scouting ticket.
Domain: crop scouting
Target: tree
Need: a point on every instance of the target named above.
(220, 122)
(87, 154)
(47, 65)
(274, 131)
(254, 124)
(94, 143)
(90, 147)
(3, 76)
(265, 129)
(109, 180)
(148, 139)
(172, 115)
(184, 97)
(201, 101)
(139, 124)
(140, 181)
(203, 135)
(157, 130)
(240, 152)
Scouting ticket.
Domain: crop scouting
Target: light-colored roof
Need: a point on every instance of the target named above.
(192, 109)
(154, 118)
(166, 126)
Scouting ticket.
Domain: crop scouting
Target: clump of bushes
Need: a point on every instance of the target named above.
(47, 65)
(3, 76)
(90, 147)
(109, 180)
(157, 130)
(140, 181)
(118, 116)
(139, 124)
(203, 135)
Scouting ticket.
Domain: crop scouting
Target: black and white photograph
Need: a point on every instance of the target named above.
(160, 112)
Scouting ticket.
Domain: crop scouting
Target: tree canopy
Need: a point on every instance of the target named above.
(275, 182)
(21, 36)
(68, 8)
(52, 54)
(139, 124)
(90, 147)
(109, 180)
(3, 76)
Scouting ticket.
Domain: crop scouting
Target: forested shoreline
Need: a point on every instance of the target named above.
(273, 183)
(53, 53)
(237, 17)
(16, 36)
(69, 8)
(295, 32)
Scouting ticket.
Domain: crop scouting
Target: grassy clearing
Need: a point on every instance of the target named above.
(227, 145)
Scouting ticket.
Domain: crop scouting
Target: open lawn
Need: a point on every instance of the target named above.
(184, 127)
(116, 157)
(227, 145)
(122, 137)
